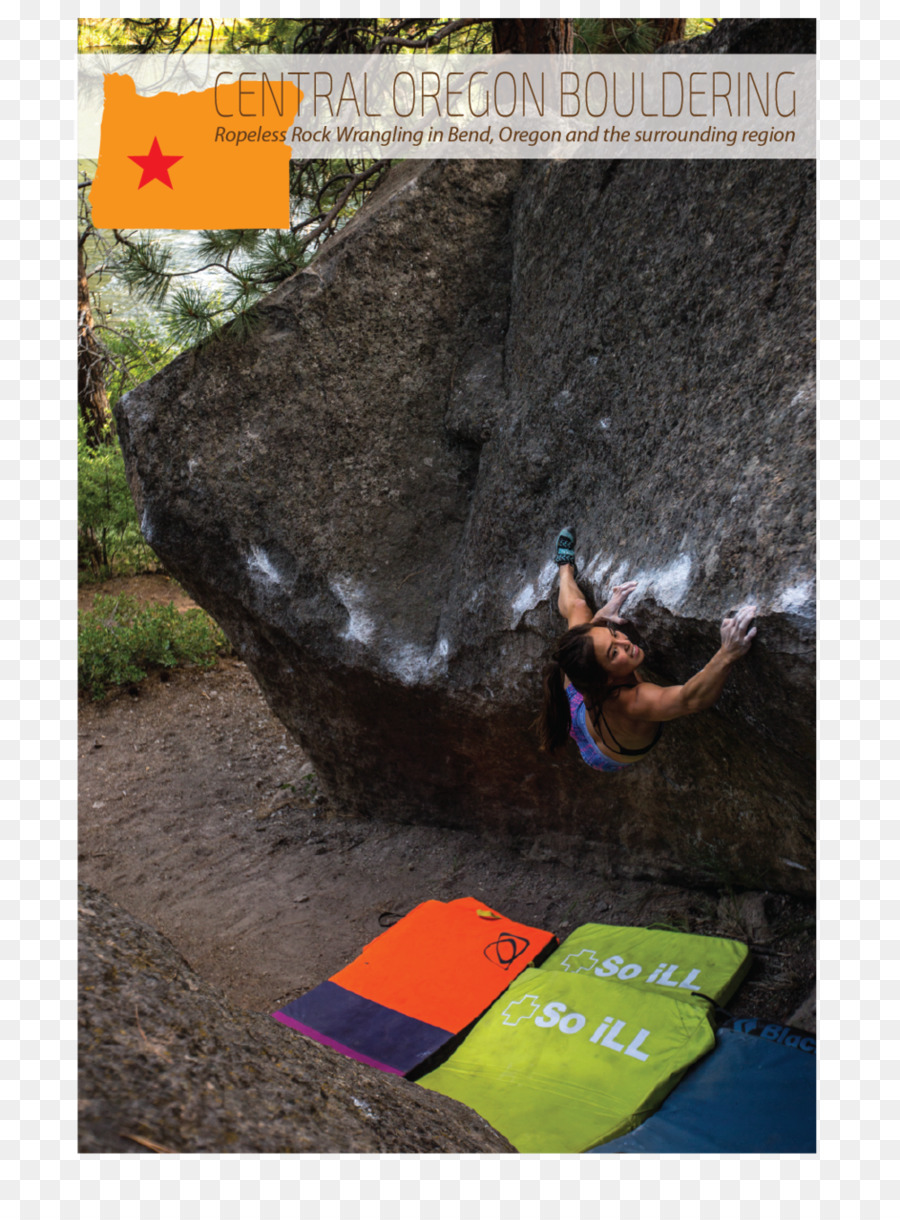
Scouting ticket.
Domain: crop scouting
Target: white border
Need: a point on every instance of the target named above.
(857, 196)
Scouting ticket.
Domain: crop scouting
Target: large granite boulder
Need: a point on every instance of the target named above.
(365, 493)
(164, 1060)
(751, 36)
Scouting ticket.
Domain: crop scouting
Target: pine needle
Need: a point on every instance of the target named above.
(139, 1139)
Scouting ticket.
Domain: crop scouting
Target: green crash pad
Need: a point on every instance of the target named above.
(561, 1063)
(670, 963)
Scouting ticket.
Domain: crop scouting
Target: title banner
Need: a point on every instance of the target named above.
(539, 106)
(205, 141)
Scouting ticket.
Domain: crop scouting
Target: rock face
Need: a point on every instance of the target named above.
(752, 36)
(164, 1058)
(366, 494)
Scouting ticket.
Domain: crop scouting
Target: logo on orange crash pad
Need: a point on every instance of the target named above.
(504, 951)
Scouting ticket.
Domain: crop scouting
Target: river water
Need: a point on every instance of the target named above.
(119, 303)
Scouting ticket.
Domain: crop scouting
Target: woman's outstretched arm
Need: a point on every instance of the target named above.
(658, 703)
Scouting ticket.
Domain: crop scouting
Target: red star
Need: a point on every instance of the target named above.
(155, 165)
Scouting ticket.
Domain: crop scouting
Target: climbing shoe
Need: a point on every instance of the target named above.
(565, 546)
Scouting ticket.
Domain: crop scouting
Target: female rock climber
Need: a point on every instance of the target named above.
(593, 691)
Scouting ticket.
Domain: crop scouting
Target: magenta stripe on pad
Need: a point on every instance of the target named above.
(317, 1036)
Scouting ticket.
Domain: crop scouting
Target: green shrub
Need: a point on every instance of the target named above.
(137, 351)
(695, 27)
(109, 537)
(120, 641)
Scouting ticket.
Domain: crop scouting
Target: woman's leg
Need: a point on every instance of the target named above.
(572, 605)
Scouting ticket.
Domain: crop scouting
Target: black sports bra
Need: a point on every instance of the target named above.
(615, 745)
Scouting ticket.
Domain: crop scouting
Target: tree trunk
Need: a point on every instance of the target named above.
(533, 36)
(669, 29)
(92, 400)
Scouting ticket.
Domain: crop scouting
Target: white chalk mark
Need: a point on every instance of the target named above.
(261, 568)
(352, 597)
(670, 585)
(797, 599)
(411, 663)
(595, 568)
(532, 594)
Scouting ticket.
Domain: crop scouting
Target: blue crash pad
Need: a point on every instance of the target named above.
(756, 1092)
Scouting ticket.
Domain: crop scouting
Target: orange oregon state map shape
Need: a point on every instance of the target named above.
(212, 183)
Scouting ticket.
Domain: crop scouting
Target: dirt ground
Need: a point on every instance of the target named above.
(201, 816)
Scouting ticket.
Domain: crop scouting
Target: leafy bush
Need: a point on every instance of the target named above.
(136, 351)
(697, 26)
(109, 537)
(120, 641)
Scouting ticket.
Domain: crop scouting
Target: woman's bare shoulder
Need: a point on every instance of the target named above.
(628, 698)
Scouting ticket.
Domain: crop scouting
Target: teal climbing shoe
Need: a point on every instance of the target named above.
(565, 546)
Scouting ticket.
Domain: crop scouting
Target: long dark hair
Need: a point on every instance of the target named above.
(576, 660)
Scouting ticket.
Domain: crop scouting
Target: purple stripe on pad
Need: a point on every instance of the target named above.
(363, 1029)
(317, 1036)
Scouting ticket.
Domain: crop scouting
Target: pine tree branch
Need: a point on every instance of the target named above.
(355, 181)
(430, 40)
